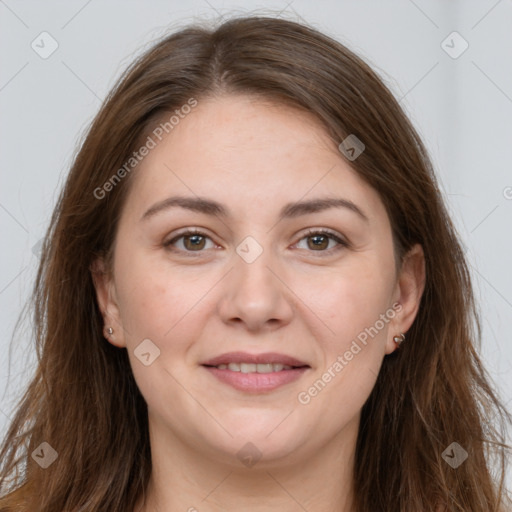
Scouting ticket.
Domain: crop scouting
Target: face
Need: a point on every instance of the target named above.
(265, 279)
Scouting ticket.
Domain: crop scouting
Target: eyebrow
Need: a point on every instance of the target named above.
(290, 210)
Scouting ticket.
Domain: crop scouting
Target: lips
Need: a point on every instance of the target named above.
(253, 367)
(255, 373)
(264, 359)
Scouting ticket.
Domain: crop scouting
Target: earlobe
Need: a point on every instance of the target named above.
(107, 302)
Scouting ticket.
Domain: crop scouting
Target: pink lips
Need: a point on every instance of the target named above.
(244, 357)
(256, 382)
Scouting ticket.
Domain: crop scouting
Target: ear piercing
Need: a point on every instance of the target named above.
(399, 339)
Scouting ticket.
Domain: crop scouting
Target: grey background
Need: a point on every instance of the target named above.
(461, 106)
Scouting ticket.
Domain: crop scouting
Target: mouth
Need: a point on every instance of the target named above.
(255, 368)
(255, 373)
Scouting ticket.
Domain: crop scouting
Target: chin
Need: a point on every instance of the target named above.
(267, 444)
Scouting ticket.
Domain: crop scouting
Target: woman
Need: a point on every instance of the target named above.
(251, 296)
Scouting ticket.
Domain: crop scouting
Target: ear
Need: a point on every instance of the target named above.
(107, 302)
(408, 292)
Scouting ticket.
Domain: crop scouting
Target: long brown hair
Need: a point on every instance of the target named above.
(83, 400)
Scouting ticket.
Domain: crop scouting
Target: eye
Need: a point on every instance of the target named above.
(193, 241)
(318, 240)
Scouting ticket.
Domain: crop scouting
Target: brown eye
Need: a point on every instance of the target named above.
(318, 241)
(191, 241)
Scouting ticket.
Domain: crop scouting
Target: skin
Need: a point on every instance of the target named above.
(295, 298)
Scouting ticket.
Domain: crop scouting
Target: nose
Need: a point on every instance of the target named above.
(255, 295)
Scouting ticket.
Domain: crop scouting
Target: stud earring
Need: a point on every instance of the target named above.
(110, 331)
(399, 339)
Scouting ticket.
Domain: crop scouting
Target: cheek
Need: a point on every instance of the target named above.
(159, 304)
(355, 300)
(350, 299)
(152, 300)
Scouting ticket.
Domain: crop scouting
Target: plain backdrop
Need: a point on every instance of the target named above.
(456, 88)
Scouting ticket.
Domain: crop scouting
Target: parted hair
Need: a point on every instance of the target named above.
(83, 399)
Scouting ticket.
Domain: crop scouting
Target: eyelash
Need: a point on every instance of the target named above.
(311, 232)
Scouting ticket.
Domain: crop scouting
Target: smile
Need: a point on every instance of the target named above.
(254, 368)
(255, 373)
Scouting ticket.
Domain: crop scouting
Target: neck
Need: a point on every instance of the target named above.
(184, 479)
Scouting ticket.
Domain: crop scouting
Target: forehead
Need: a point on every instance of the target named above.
(243, 126)
(241, 148)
